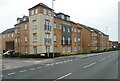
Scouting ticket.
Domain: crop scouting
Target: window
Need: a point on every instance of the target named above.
(47, 38)
(47, 26)
(15, 30)
(18, 49)
(69, 49)
(25, 26)
(68, 40)
(78, 40)
(47, 49)
(94, 34)
(63, 49)
(34, 24)
(62, 16)
(75, 48)
(79, 48)
(55, 49)
(55, 38)
(63, 39)
(8, 35)
(49, 13)
(18, 21)
(74, 29)
(3, 36)
(75, 40)
(68, 29)
(78, 30)
(54, 25)
(34, 37)
(44, 11)
(12, 35)
(60, 26)
(19, 40)
(18, 30)
(68, 18)
(94, 42)
(16, 40)
(32, 12)
(36, 11)
(35, 49)
(63, 28)
(25, 38)
(26, 50)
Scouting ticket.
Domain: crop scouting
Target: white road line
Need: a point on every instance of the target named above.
(63, 76)
(1, 75)
(32, 69)
(90, 65)
(23, 71)
(64, 61)
(39, 67)
(102, 59)
(68, 61)
(11, 73)
(61, 62)
(57, 63)
(71, 60)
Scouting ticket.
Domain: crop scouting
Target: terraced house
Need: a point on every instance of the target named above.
(42, 33)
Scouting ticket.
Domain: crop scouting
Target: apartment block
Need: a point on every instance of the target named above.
(43, 32)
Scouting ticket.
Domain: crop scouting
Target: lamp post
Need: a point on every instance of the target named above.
(53, 25)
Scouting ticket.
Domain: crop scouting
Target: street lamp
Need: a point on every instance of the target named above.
(53, 24)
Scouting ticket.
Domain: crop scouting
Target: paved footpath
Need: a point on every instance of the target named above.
(12, 63)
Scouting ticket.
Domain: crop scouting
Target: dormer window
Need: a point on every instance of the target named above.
(68, 18)
(36, 11)
(49, 13)
(18, 21)
(44, 11)
(32, 12)
(62, 16)
(24, 19)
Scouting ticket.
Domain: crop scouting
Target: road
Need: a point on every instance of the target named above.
(104, 66)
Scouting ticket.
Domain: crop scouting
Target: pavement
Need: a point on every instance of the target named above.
(95, 66)
(13, 63)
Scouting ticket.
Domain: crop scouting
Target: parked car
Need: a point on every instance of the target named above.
(9, 53)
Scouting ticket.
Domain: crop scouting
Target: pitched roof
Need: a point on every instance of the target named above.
(41, 4)
(11, 30)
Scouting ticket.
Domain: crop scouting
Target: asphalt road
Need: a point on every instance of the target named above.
(104, 66)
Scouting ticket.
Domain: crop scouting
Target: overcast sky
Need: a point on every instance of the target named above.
(98, 14)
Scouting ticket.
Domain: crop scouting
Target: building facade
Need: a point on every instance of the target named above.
(41, 33)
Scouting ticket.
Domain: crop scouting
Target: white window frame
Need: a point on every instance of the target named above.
(34, 37)
(26, 50)
(34, 24)
(63, 49)
(75, 40)
(63, 38)
(32, 12)
(75, 49)
(36, 11)
(44, 11)
(49, 13)
(68, 29)
(63, 28)
(26, 38)
(69, 40)
(74, 29)
(25, 26)
(35, 49)
(55, 38)
(69, 49)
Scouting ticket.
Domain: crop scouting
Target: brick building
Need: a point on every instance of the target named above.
(34, 34)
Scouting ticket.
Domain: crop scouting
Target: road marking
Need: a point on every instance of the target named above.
(71, 60)
(63, 76)
(11, 73)
(52, 64)
(90, 65)
(76, 59)
(68, 60)
(102, 59)
(61, 62)
(64, 61)
(39, 67)
(32, 69)
(23, 71)
(57, 63)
